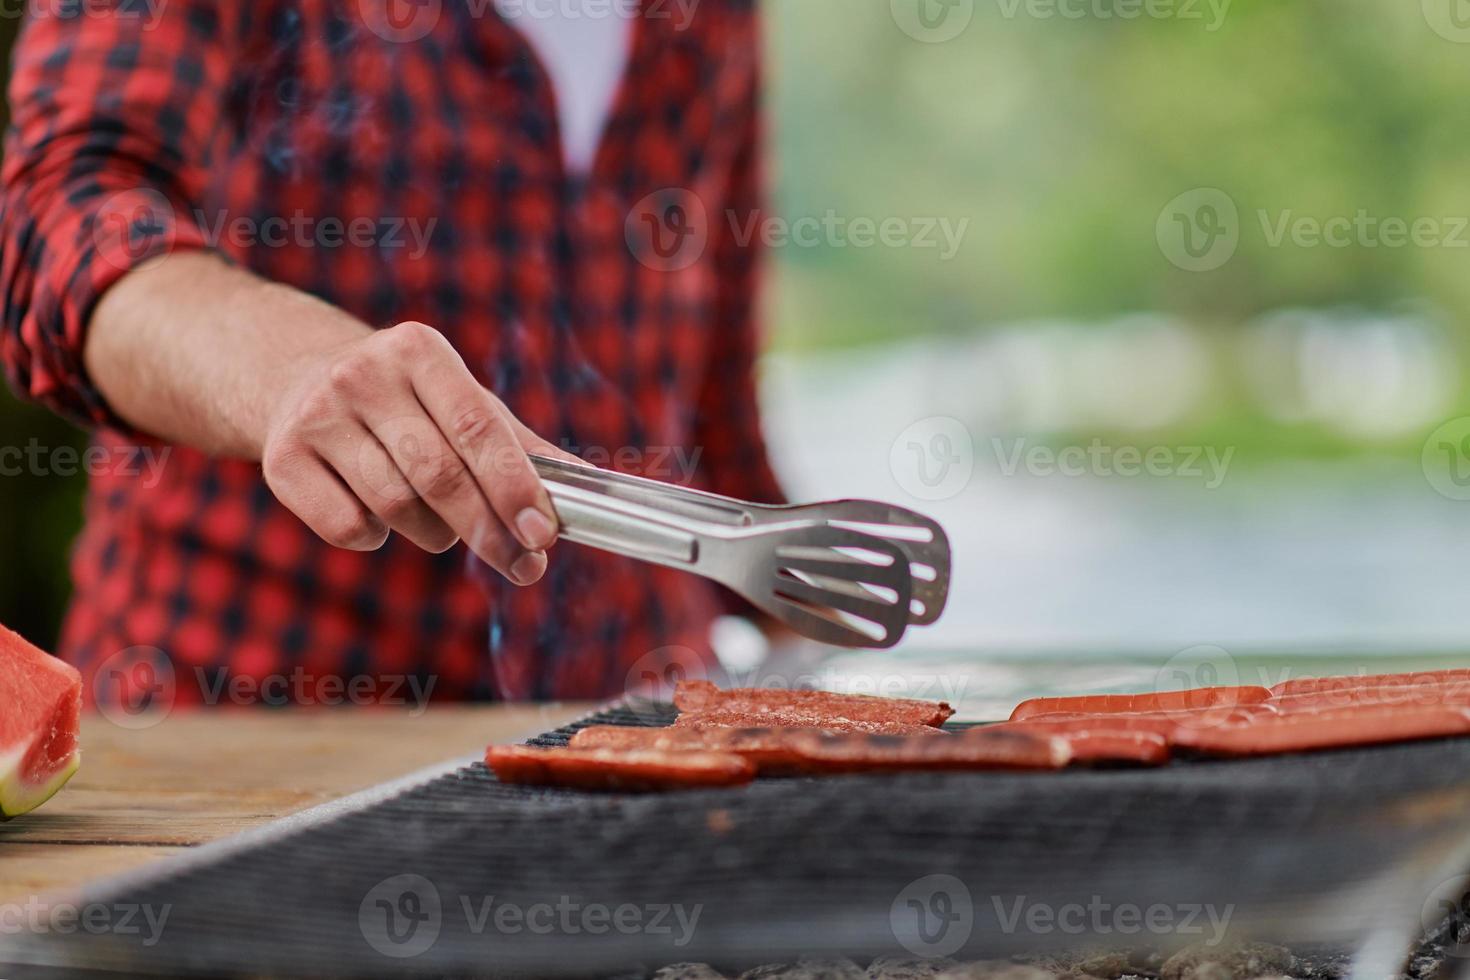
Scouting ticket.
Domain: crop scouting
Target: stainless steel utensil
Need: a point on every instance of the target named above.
(921, 540)
(828, 583)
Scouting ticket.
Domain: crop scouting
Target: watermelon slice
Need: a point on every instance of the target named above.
(40, 715)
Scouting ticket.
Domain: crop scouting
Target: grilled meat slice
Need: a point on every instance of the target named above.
(702, 696)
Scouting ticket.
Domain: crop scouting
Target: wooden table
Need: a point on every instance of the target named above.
(148, 795)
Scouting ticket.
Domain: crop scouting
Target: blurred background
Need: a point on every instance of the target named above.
(1163, 308)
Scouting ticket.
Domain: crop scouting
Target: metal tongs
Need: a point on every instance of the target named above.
(854, 573)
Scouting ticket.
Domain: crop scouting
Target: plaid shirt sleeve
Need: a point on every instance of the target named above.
(733, 457)
(113, 110)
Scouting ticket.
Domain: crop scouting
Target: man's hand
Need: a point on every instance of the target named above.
(361, 432)
(390, 432)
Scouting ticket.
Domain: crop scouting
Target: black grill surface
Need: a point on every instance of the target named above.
(1314, 846)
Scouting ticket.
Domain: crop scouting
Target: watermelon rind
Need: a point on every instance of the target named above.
(17, 796)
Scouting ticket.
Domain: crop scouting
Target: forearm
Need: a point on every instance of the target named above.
(198, 352)
(358, 431)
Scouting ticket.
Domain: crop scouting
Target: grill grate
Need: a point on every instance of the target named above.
(783, 867)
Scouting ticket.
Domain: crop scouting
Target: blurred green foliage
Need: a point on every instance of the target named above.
(1060, 139)
(1063, 138)
(39, 516)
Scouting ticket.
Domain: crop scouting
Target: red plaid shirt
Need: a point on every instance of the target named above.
(401, 159)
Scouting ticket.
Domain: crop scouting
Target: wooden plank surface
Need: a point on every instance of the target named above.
(145, 795)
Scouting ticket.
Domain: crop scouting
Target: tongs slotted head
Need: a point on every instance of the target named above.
(853, 573)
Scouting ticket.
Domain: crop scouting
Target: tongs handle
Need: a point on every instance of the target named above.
(591, 519)
(676, 500)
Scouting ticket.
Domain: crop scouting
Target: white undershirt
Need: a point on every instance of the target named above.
(584, 46)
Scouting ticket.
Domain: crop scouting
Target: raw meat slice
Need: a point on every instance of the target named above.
(617, 769)
(975, 750)
(1100, 746)
(1319, 685)
(1326, 730)
(788, 751)
(1447, 694)
(774, 751)
(1191, 700)
(1163, 723)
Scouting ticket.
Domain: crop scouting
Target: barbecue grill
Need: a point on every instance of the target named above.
(1344, 847)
